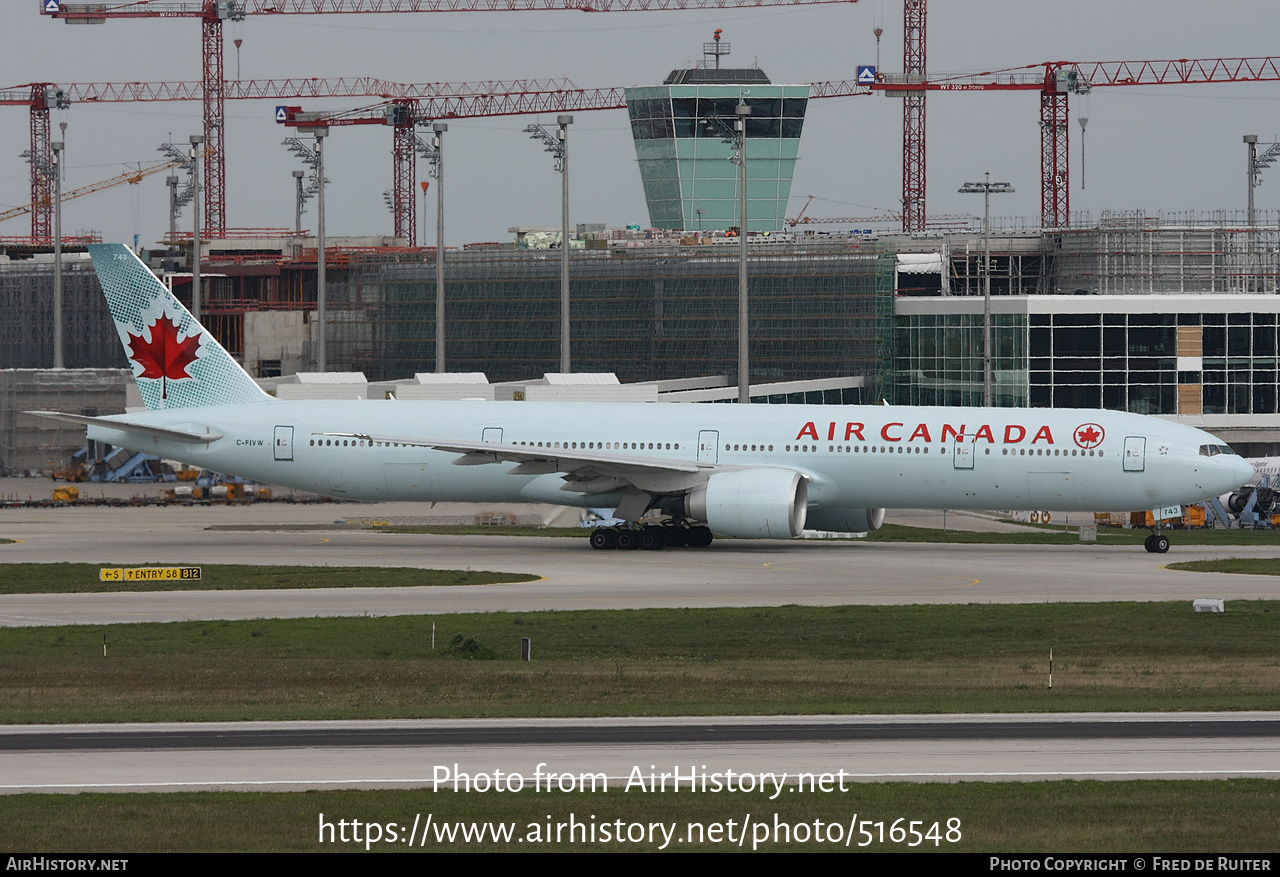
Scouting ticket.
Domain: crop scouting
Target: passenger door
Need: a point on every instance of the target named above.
(709, 446)
(283, 443)
(1135, 453)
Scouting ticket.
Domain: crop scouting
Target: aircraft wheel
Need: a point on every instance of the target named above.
(675, 537)
(650, 539)
(1160, 544)
(627, 540)
(699, 537)
(1147, 544)
(604, 538)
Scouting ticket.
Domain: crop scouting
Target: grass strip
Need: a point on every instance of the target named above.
(1256, 566)
(1218, 816)
(784, 660)
(82, 578)
(483, 530)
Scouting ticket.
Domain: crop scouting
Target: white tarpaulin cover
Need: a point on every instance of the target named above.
(919, 263)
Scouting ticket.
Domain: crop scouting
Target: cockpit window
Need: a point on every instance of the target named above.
(1214, 450)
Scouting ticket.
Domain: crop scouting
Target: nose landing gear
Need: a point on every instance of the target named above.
(1157, 543)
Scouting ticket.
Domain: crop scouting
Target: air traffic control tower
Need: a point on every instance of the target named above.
(681, 132)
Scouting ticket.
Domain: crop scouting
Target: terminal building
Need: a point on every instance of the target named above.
(1173, 316)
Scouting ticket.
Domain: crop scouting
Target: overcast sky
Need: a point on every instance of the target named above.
(1150, 147)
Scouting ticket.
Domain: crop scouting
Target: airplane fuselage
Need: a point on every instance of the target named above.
(853, 457)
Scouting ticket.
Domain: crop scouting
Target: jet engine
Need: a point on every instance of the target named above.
(1235, 502)
(840, 520)
(752, 503)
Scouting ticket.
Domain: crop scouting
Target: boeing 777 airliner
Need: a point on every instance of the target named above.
(758, 471)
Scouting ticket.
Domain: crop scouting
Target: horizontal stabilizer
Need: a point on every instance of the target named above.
(177, 435)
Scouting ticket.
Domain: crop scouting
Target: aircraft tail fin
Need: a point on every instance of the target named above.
(176, 362)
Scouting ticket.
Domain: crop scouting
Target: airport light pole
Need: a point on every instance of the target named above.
(563, 134)
(314, 158)
(322, 359)
(558, 145)
(172, 182)
(436, 157)
(986, 188)
(735, 135)
(1257, 164)
(56, 146)
(196, 140)
(297, 201)
(744, 363)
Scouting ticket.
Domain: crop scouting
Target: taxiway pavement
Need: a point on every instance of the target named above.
(729, 573)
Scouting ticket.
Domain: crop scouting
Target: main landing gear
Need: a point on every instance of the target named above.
(1157, 543)
(650, 538)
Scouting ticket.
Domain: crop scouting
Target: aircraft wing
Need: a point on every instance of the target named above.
(554, 459)
(585, 471)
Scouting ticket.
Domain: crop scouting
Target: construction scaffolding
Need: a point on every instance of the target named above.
(30, 444)
(644, 313)
(26, 316)
(1141, 254)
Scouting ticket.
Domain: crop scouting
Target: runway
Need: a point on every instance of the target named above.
(729, 573)
(285, 756)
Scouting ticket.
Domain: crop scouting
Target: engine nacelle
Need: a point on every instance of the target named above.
(753, 503)
(839, 520)
(1236, 502)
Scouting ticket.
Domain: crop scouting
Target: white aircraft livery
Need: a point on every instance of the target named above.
(750, 471)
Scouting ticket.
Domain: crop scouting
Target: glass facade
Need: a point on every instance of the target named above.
(648, 314)
(1173, 363)
(690, 184)
(1240, 363)
(940, 359)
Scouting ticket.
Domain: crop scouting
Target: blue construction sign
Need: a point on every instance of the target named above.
(282, 114)
(866, 74)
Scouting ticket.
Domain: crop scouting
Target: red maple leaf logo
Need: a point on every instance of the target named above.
(1089, 435)
(164, 356)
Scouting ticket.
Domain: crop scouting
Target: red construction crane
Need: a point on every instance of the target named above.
(301, 87)
(41, 97)
(1056, 80)
(212, 13)
(418, 102)
(913, 116)
(403, 114)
